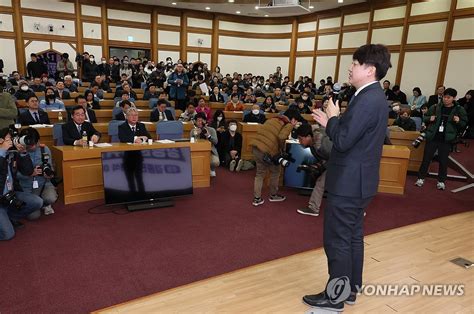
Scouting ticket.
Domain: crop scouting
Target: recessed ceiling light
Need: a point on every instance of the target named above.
(256, 7)
(311, 7)
(238, 12)
(266, 15)
(208, 8)
(340, 1)
(231, 0)
(173, 3)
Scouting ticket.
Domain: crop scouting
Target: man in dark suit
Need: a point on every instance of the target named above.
(133, 131)
(161, 113)
(125, 105)
(352, 174)
(33, 115)
(438, 98)
(73, 130)
(90, 113)
(60, 92)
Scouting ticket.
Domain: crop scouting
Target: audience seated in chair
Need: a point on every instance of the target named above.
(255, 115)
(234, 104)
(203, 107)
(61, 92)
(417, 100)
(74, 129)
(189, 114)
(90, 113)
(33, 115)
(124, 105)
(268, 106)
(23, 91)
(133, 131)
(230, 147)
(51, 102)
(404, 120)
(160, 113)
(216, 95)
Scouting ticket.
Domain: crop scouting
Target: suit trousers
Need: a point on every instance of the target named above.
(318, 192)
(443, 149)
(262, 168)
(343, 237)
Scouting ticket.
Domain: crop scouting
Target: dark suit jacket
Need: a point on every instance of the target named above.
(126, 135)
(70, 132)
(357, 137)
(120, 116)
(433, 100)
(92, 117)
(26, 118)
(213, 98)
(66, 94)
(155, 115)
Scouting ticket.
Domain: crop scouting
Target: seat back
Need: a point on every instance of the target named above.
(173, 112)
(116, 111)
(169, 130)
(417, 122)
(58, 134)
(113, 130)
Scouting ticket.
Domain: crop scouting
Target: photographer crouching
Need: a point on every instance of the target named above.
(268, 150)
(42, 181)
(320, 145)
(14, 203)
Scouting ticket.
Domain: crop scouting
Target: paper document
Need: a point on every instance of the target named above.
(204, 89)
(102, 145)
(41, 125)
(165, 141)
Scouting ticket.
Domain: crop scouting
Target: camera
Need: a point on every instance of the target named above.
(48, 171)
(282, 159)
(204, 133)
(24, 140)
(10, 200)
(315, 170)
(416, 143)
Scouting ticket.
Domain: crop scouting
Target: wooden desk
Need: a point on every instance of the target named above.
(406, 139)
(81, 168)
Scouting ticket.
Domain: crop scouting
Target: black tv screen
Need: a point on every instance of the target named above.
(144, 175)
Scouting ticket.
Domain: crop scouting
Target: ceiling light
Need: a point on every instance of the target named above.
(340, 1)
(238, 12)
(266, 15)
(311, 7)
(208, 8)
(231, 1)
(256, 7)
(173, 3)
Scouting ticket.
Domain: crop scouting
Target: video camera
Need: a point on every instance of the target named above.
(10, 200)
(416, 143)
(24, 140)
(282, 159)
(47, 169)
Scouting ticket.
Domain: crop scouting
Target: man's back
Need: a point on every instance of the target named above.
(358, 136)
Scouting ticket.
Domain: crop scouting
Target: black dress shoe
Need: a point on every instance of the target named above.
(17, 224)
(351, 299)
(321, 301)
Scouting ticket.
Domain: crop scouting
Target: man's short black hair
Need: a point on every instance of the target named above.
(76, 99)
(161, 102)
(375, 55)
(125, 102)
(201, 115)
(387, 81)
(4, 132)
(293, 113)
(124, 93)
(29, 97)
(75, 108)
(304, 130)
(450, 92)
(395, 88)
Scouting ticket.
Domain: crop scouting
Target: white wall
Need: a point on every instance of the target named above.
(345, 62)
(330, 23)
(9, 59)
(463, 4)
(169, 20)
(94, 50)
(328, 41)
(35, 47)
(426, 33)
(254, 44)
(255, 28)
(463, 29)
(193, 22)
(420, 69)
(50, 5)
(392, 72)
(92, 30)
(305, 27)
(389, 13)
(304, 66)
(122, 33)
(6, 3)
(204, 57)
(58, 29)
(460, 71)
(257, 65)
(306, 44)
(162, 55)
(359, 18)
(325, 66)
(7, 23)
(354, 39)
(193, 40)
(168, 38)
(90, 10)
(420, 8)
(387, 36)
(128, 16)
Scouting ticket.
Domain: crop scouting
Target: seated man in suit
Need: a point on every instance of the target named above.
(151, 92)
(125, 105)
(74, 129)
(438, 98)
(69, 84)
(133, 131)
(33, 115)
(255, 115)
(161, 113)
(62, 93)
(90, 113)
(189, 114)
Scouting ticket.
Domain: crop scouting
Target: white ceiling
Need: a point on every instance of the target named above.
(245, 9)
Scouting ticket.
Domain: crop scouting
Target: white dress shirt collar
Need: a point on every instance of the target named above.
(364, 86)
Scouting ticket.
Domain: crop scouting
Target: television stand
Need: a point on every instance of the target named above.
(158, 203)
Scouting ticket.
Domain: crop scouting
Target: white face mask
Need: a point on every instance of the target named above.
(255, 111)
(24, 88)
(305, 97)
(267, 86)
(104, 62)
(287, 90)
(233, 127)
(92, 59)
(219, 119)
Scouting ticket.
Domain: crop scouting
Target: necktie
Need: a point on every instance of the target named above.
(133, 129)
(79, 128)
(36, 117)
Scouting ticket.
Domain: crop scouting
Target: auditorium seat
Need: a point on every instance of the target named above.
(417, 122)
(58, 134)
(169, 130)
(113, 130)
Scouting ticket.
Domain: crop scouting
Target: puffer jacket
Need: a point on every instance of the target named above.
(271, 136)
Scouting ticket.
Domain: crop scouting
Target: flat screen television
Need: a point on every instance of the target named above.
(138, 176)
(293, 177)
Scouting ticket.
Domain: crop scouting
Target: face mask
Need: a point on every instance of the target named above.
(92, 59)
(233, 128)
(104, 62)
(50, 97)
(305, 97)
(125, 63)
(24, 88)
(287, 91)
(255, 111)
(219, 119)
(267, 86)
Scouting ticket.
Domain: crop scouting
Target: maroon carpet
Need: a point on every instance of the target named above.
(73, 261)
